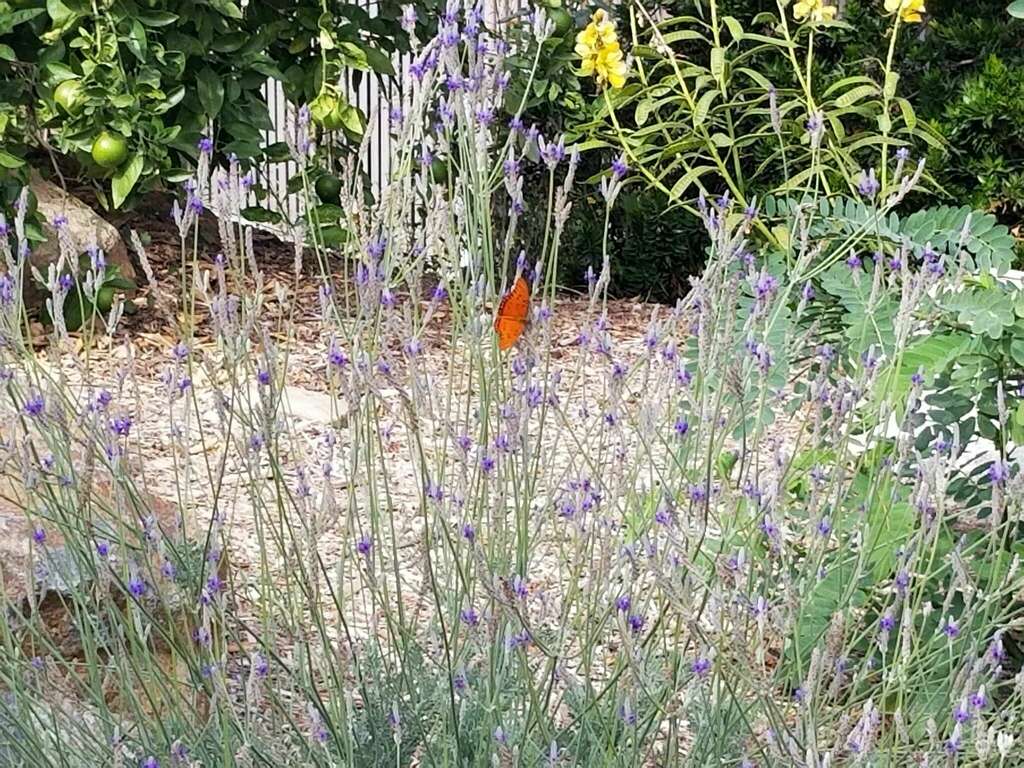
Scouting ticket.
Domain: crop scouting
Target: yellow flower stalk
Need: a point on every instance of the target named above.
(815, 10)
(910, 10)
(598, 47)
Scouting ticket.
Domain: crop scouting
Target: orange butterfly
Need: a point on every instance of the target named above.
(512, 313)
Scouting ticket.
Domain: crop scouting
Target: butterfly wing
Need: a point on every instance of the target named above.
(512, 313)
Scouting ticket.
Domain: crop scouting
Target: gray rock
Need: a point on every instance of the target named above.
(314, 407)
(40, 580)
(85, 228)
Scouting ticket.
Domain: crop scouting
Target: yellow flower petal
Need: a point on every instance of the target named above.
(814, 10)
(600, 54)
(911, 11)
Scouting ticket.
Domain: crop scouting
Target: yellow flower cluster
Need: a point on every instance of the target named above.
(598, 46)
(815, 10)
(910, 10)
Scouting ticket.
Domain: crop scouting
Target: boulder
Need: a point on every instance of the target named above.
(41, 574)
(84, 228)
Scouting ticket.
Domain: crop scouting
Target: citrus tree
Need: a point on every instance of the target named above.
(127, 92)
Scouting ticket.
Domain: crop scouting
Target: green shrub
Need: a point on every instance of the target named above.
(654, 247)
(985, 128)
(159, 74)
(960, 74)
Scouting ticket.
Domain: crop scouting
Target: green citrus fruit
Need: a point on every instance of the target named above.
(109, 150)
(562, 19)
(328, 189)
(105, 298)
(69, 95)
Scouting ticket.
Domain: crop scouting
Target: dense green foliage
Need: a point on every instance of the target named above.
(656, 248)
(965, 74)
(962, 71)
(161, 74)
(959, 86)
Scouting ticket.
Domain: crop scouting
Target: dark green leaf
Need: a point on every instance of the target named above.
(155, 18)
(379, 62)
(929, 355)
(326, 213)
(1017, 351)
(823, 599)
(137, 41)
(211, 91)
(889, 528)
(59, 12)
(125, 179)
(333, 236)
(11, 20)
(261, 215)
(228, 8)
(245, 149)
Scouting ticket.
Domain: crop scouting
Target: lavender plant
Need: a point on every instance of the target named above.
(714, 541)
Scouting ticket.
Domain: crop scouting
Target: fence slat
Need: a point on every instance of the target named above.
(372, 96)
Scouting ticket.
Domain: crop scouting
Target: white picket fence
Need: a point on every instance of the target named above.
(370, 95)
(374, 97)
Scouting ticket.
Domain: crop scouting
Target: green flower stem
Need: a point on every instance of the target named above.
(886, 103)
